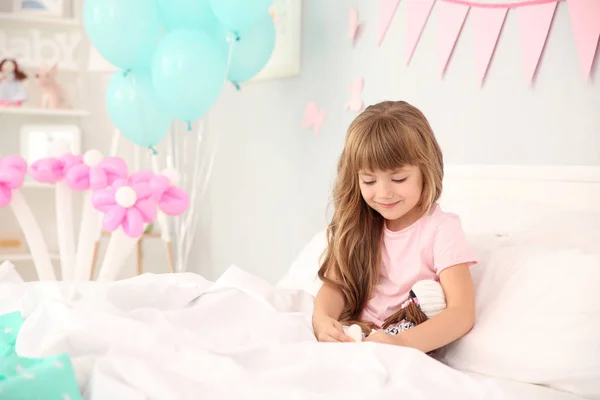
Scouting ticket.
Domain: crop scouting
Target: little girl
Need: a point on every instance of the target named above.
(388, 232)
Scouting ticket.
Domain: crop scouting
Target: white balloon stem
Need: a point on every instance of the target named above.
(160, 217)
(119, 248)
(89, 231)
(114, 145)
(33, 236)
(64, 230)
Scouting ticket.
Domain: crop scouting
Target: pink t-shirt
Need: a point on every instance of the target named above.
(421, 251)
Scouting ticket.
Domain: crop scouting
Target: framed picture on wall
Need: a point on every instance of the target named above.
(286, 58)
(40, 141)
(50, 8)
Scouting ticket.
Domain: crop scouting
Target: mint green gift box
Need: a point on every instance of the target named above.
(21, 378)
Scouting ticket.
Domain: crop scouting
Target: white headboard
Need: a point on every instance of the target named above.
(501, 199)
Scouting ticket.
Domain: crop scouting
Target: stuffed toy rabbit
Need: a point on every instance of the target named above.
(52, 92)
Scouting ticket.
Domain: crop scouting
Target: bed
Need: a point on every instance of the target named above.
(179, 336)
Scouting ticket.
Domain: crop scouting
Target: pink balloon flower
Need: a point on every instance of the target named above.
(171, 200)
(96, 173)
(12, 176)
(126, 206)
(52, 169)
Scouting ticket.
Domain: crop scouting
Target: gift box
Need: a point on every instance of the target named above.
(22, 378)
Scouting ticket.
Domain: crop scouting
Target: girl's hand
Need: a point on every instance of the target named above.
(381, 337)
(328, 329)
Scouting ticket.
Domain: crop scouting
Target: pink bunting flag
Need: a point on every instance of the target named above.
(451, 18)
(585, 19)
(387, 9)
(534, 25)
(487, 25)
(417, 14)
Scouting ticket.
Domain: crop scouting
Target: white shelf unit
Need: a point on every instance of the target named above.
(16, 18)
(36, 185)
(29, 114)
(42, 112)
(23, 257)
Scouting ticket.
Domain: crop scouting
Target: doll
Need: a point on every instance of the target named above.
(426, 300)
(12, 90)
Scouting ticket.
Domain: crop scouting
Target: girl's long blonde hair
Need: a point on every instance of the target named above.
(385, 136)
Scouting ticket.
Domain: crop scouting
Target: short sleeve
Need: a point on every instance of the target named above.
(450, 245)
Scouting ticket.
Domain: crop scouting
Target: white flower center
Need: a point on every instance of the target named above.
(92, 158)
(125, 197)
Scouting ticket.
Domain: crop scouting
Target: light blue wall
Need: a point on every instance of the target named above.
(272, 178)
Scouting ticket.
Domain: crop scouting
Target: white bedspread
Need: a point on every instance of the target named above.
(182, 337)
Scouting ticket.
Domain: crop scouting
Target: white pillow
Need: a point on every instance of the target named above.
(538, 313)
(302, 274)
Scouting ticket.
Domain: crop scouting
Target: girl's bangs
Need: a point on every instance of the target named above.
(383, 148)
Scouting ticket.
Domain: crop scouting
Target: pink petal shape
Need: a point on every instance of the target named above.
(104, 200)
(417, 15)
(78, 177)
(534, 25)
(98, 178)
(11, 178)
(585, 20)
(143, 190)
(133, 224)
(174, 201)
(5, 195)
(141, 176)
(147, 209)
(387, 9)
(159, 184)
(114, 217)
(120, 183)
(15, 162)
(451, 18)
(47, 170)
(487, 23)
(114, 168)
(70, 160)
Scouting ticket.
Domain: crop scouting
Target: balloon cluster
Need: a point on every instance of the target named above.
(175, 56)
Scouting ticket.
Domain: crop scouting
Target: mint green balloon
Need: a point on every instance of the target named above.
(134, 108)
(184, 14)
(123, 31)
(239, 15)
(252, 51)
(188, 72)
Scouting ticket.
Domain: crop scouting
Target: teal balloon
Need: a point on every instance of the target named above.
(188, 72)
(252, 51)
(123, 32)
(240, 15)
(219, 34)
(134, 108)
(184, 14)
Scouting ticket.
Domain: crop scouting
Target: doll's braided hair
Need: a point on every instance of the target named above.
(409, 313)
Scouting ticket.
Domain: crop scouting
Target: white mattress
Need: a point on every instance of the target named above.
(181, 337)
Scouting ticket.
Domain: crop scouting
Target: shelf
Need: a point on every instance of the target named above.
(56, 21)
(24, 257)
(37, 185)
(44, 112)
